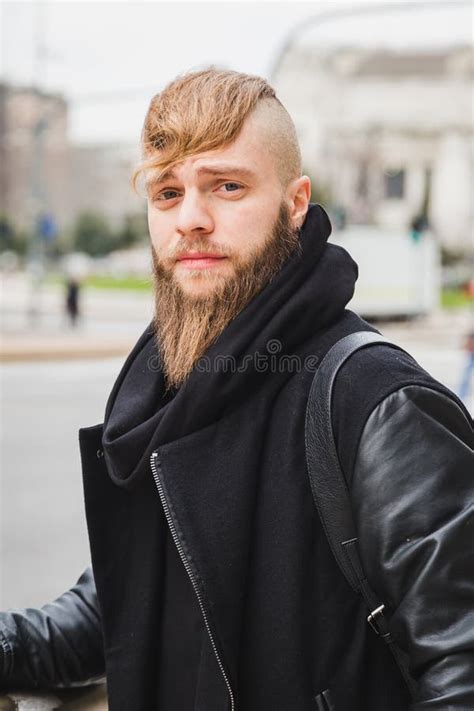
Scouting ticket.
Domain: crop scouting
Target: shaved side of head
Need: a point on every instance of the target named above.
(279, 133)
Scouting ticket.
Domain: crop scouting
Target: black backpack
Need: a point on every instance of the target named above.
(330, 490)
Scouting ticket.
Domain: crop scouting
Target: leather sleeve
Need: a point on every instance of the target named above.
(55, 646)
(413, 498)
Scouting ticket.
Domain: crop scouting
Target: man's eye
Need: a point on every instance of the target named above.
(231, 187)
(167, 195)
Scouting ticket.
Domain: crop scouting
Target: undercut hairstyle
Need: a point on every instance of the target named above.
(204, 111)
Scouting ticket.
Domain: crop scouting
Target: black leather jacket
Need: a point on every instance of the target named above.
(58, 645)
(412, 489)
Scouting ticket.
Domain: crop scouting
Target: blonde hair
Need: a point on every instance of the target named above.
(205, 110)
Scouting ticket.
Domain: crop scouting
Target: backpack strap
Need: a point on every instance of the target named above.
(330, 491)
(328, 484)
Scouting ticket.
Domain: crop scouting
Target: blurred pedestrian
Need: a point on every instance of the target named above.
(72, 300)
(468, 370)
(419, 225)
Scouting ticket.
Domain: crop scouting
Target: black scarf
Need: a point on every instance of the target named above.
(309, 293)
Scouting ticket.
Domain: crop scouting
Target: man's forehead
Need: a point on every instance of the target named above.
(246, 155)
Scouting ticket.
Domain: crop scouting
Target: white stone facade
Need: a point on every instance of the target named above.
(388, 135)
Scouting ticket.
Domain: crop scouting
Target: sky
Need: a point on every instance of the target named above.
(108, 58)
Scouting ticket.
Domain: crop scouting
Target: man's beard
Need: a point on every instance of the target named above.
(185, 325)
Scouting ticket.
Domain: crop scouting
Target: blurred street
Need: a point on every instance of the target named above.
(44, 403)
(111, 321)
(54, 380)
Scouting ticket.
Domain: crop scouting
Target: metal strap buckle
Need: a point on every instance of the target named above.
(374, 616)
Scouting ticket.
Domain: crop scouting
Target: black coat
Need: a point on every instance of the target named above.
(223, 464)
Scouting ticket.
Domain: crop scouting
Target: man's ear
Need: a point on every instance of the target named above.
(298, 195)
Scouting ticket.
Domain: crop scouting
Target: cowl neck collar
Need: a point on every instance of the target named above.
(310, 292)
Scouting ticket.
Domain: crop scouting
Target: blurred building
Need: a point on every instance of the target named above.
(387, 135)
(34, 154)
(100, 180)
(42, 172)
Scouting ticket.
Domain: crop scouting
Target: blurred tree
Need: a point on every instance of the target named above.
(91, 234)
(62, 245)
(10, 237)
(133, 231)
(320, 192)
(7, 234)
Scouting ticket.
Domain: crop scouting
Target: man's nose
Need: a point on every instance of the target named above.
(194, 216)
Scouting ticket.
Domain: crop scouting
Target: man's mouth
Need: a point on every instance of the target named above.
(200, 260)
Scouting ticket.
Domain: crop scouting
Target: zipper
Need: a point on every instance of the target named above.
(190, 573)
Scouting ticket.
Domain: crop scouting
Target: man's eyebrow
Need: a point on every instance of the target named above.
(224, 169)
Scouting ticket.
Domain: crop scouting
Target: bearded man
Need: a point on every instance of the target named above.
(216, 585)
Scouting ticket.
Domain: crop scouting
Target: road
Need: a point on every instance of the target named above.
(44, 541)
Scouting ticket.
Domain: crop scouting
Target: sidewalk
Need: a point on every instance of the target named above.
(113, 320)
(110, 325)
(80, 344)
